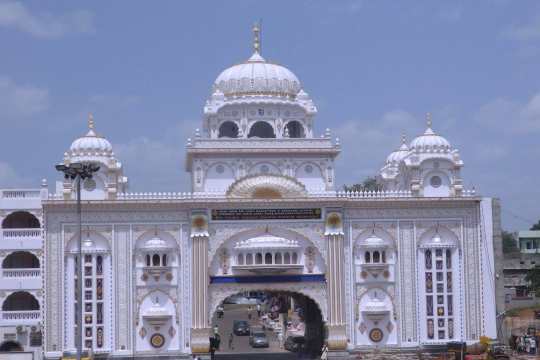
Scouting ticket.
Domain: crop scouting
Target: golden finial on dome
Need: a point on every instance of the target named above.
(90, 121)
(428, 120)
(256, 37)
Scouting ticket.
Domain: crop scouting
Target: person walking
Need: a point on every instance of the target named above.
(249, 312)
(258, 310)
(231, 340)
(533, 345)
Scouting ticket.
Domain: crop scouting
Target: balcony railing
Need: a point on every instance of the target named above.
(21, 233)
(21, 273)
(21, 194)
(21, 315)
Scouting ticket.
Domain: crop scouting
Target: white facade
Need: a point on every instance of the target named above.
(395, 269)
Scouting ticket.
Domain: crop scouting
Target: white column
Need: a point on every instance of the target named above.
(337, 337)
(200, 331)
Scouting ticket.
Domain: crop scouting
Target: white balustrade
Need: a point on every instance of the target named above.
(21, 194)
(21, 233)
(21, 315)
(21, 273)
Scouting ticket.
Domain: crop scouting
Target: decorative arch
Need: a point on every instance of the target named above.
(266, 186)
(161, 234)
(141, 300)
(261, 129)
(92, 241)
(20, 260)
(20, 301)
(218, 176)
(11, 346)
(213, 254)
(315, 292)
(377, 288)
(21, 219)
(294, 129)
(447, 237)
(228, 129)
(378, 232)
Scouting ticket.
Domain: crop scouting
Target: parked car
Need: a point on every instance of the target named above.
(240, 327)
(258, 339)
(294, 343)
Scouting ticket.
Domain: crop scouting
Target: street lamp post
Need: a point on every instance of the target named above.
(78, 172)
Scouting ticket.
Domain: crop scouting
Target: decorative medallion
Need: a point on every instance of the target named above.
(157, 340)
(386, 274)
(376, 335)
(168, 276)
(142, 332)
(144, 277)
(364, 274)
(362, 327)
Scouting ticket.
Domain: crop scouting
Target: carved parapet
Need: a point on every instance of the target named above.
(200, 340)
(337, 337)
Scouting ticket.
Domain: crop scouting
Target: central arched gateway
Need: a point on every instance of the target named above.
(254, 268)
(262, 321)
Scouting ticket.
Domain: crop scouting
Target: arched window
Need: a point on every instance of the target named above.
(295, 258)
(268, 258)
(164, 260)
(19, 220)
(155, 260)
(20, 301)
(9, 346)
(367, 257)
(261, 129)
(99, 265)
(384, 257)
(294, 129)
(240, 259)
(376, 257)
(249, 259)
(148, 263)
(228, 129)
(278, 259)
(287, 258)
(20, 260)
(258, 258)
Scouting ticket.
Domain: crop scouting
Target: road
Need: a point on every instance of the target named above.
(241, 343)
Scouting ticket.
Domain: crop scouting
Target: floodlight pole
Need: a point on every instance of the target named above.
(78, 172)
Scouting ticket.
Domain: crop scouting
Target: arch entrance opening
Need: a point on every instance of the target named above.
(9, 346)
(283, 322)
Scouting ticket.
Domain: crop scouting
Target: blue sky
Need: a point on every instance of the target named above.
(374, 68)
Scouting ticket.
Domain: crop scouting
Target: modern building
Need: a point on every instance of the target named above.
(518, 292)
(397, 270)
(21, 256)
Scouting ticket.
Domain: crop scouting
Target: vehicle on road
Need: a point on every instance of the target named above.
(258, 339)
(294, 343)
(241, 328)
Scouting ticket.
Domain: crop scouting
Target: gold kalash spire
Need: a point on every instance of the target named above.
(257, 37)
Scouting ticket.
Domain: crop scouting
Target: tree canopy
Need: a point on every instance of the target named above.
(536, 226)
(369, 184)
(509, 242)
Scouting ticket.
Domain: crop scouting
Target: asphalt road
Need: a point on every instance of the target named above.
(241, 343)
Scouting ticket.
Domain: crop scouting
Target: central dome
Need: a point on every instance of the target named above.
(256, 76)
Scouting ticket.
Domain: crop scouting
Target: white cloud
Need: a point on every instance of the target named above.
(511, 116)
(157, 164)
(18, 100)
(15, 15)
(525, 31)
(9, 178)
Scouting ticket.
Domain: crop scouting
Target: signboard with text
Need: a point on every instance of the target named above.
(267, 214)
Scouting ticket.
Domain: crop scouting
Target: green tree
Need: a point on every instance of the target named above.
(533, 277)
(369, 184)
(509, 242)
(536, 226)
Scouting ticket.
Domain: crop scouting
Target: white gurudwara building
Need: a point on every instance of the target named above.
(404, 268)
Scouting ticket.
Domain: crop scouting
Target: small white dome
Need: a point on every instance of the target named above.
(429, 141)
(396, 156)
(90, 147)
(256, 76)
(266, 242)
(374, 241)
(91, 143)
(155, 243)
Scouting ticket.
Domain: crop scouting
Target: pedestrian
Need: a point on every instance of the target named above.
(231, 339)
(220, 311)
(533, 345)
(280, 339)
(249, 312)
(216, 329)
(258, 310)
